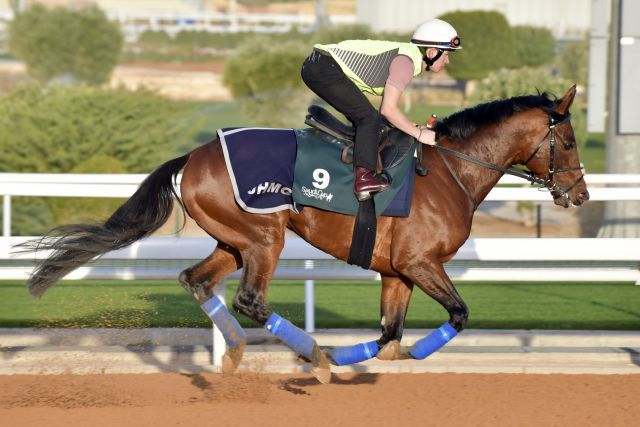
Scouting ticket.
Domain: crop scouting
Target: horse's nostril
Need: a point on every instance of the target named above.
(584, 196)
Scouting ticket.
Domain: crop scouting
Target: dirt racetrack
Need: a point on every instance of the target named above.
(298, 400)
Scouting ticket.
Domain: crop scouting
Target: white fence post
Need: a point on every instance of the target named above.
(309, 303)
(6, 216)
(219, 345)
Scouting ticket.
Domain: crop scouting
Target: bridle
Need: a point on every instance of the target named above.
(544, 184)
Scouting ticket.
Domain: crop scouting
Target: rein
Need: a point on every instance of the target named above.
(544, 184)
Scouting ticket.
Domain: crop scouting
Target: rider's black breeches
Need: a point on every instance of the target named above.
(325, 78)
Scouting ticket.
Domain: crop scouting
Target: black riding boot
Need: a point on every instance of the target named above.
(367, 182)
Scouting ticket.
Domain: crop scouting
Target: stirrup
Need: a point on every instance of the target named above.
(363, 195)
(366, 195)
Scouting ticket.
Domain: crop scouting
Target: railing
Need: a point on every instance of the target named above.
(134, 23)
(602, 187)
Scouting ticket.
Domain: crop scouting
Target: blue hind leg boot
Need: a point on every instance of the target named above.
(355, 353)
(231, 330)
(297, 339)
(433, 342)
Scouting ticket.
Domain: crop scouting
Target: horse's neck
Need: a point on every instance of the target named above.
(497, 148)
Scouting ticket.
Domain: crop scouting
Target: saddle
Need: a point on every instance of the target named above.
(393, 149)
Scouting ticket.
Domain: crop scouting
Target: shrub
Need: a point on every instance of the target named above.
(86, 208)
(487, 43)
(82, 129)
(573, 62)
(535, 46)
(337, 33)
(526, 81)
(154, 37)
(59, 43)
(57, 128)
(265, 79)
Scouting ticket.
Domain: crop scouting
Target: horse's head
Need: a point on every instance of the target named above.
(554, 158)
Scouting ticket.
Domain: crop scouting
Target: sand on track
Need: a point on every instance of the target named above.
(297, 400)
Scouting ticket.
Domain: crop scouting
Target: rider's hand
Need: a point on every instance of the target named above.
(426, 136)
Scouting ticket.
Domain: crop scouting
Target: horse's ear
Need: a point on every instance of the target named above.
(566, 101)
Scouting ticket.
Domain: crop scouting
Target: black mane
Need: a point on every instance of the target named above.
(463, 124)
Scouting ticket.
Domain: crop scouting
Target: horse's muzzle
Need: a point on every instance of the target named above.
(565, 200)
(582, 197)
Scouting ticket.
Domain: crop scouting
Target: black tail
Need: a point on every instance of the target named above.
(75, 244)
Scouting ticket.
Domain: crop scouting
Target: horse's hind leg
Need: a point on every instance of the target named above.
(260, 261)
(394, 302)
(199, 280)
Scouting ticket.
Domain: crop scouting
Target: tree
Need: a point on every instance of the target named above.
(535, 46)
(80, 45)
(487, 43)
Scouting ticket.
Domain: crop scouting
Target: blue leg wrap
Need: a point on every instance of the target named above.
(231, 330)
(297, 339)
(433, 342)
(354, 353)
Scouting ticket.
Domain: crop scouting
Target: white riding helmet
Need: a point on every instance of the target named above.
(436, 33)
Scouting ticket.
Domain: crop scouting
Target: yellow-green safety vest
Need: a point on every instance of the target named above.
(366, 62)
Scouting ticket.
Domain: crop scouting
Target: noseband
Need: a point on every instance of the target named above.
(548, 184)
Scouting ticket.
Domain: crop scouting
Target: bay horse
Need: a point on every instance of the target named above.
(474, 149)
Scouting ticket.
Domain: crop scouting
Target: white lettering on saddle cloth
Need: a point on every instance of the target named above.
(270, 187)
(317, 194)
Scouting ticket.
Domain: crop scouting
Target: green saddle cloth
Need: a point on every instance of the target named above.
(324, 181)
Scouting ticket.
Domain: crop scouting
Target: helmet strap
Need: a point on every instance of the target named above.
(431, 61)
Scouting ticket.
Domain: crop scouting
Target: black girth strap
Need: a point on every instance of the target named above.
(364, 235)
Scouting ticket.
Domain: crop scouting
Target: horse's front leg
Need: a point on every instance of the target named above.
(430, 276)
(394, 302)
(396, 293)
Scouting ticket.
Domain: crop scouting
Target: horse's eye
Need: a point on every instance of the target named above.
(568, 146)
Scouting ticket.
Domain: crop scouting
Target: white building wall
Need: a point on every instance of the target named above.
(567, 19)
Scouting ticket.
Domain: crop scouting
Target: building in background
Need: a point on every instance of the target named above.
(567, 19)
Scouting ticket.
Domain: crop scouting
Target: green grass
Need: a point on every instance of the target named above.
(604, 306)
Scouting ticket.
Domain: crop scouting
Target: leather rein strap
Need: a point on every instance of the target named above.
(526, 175)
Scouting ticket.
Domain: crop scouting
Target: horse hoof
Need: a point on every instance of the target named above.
(404, 354)
(232, 358)
(320, 367)
(394, 351)
(390, 351)
(327, 354)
